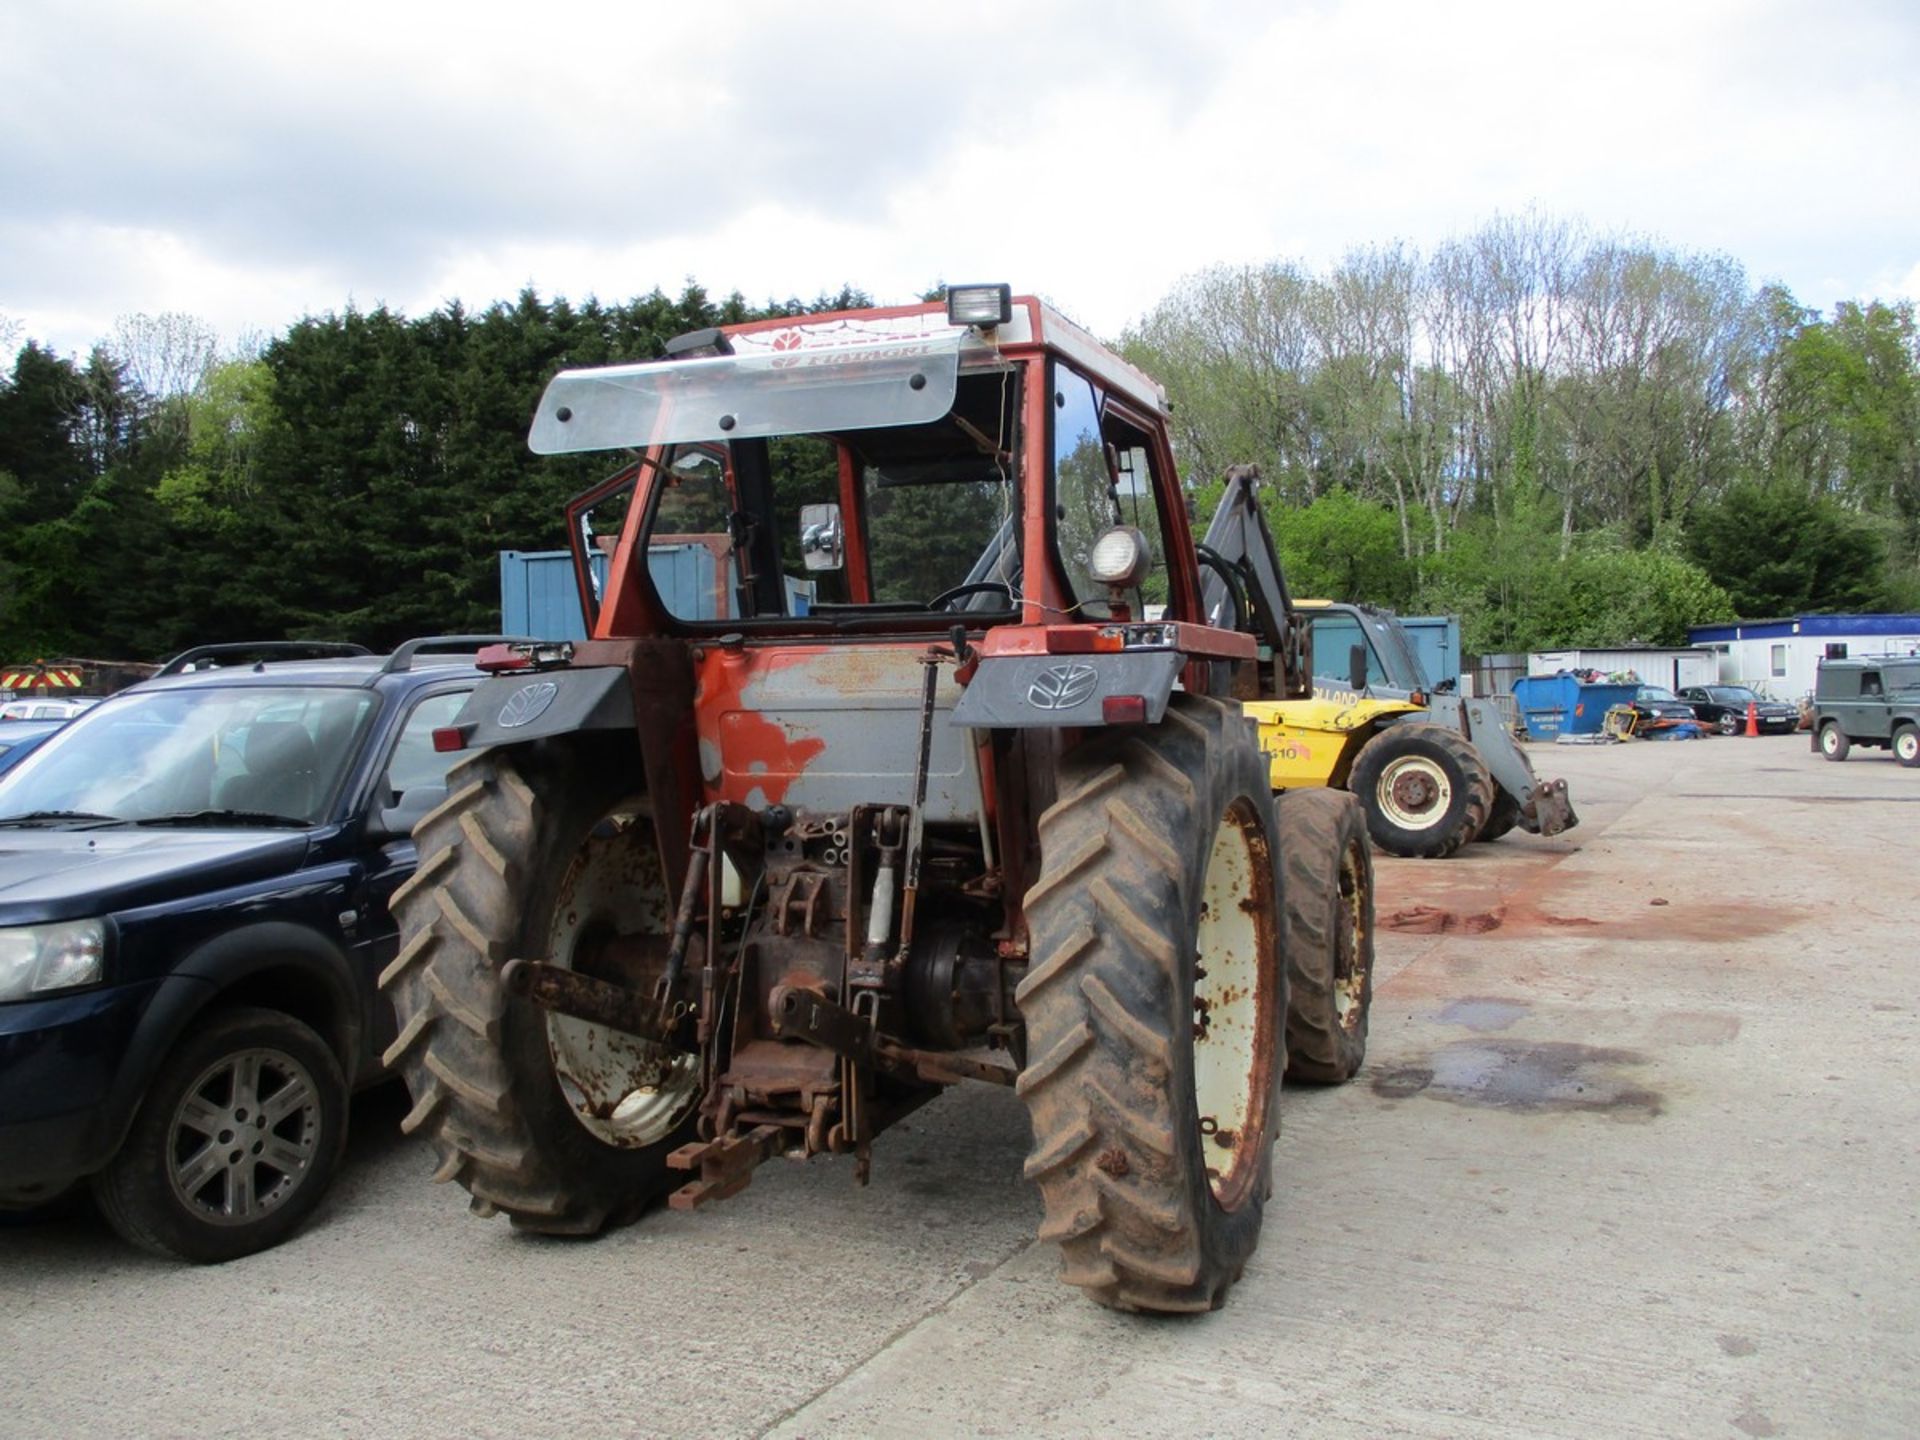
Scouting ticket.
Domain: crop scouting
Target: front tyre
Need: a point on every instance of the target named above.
(1833, 741)
(1501, 817)
(1154, 1008)
(1424, 788)
(563, 1125)
(236, 1141)
(1906, 745)
(1328, 936)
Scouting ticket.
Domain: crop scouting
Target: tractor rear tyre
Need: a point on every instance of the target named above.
(1504, 815)
(1154, 1009)
(562, 1125)
(1328, 936)
(1424, 788)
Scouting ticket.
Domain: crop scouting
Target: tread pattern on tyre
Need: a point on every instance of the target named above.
(1502, 815)
(1316, 828)
(1472, 819)
(455, 913)
(1103, 1079)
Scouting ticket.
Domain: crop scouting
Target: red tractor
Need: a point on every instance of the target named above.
(906, 752)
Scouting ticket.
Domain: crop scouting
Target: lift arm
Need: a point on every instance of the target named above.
(1242, 586)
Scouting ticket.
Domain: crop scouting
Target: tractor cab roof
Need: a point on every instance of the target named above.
(836, 372)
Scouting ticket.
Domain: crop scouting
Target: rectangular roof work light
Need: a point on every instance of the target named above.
(982, 305)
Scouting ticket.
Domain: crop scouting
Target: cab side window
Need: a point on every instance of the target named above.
(1083, 498)
(1103, 476)
(1334, 637)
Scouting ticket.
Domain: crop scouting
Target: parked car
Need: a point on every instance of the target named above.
(1872, 700)
(1724, 707)
(20, 738)
(1657, 708)
(194, 885)
(42, 708)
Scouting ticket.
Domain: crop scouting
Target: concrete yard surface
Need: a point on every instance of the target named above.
(1634, 1154)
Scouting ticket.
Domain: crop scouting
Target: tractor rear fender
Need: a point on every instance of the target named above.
(532, 705)
(1033, 692)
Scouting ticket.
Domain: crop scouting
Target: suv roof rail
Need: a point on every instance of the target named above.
(278, 649)
(402, 657)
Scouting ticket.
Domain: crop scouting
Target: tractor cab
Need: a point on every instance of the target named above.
(1362, 649)
(900, 472)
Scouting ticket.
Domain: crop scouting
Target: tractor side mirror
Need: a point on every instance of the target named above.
(1357, 668)
(823, 543)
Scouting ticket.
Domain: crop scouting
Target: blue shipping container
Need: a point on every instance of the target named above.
(538, 596)
(1436, 640)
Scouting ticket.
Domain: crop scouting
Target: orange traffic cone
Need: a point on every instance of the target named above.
(1753, 719)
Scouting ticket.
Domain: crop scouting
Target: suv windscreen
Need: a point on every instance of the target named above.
(257, 750)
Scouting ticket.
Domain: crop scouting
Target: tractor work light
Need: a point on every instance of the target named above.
(982, 305)
(1119, 558)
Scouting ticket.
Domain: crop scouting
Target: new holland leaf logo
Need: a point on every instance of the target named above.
(526, 704)
(1061, 687)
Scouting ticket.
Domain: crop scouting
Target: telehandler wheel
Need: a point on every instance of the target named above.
(1154, 1009)
(1424, 788)
(563, 1125)
(1328, 937)
(1504, 815)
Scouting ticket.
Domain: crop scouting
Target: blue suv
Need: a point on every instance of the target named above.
(194, 887)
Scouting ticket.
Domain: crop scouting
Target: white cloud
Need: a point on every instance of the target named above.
(250, 163)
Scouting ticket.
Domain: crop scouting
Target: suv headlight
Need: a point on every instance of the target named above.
(36, 959)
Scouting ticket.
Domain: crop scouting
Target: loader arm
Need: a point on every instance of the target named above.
(1242, 586)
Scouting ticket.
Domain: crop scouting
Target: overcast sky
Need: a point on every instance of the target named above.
(249, 163)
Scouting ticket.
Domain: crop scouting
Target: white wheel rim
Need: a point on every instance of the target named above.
(1908, 745)
(624, 1090)
(1233, 1020)
(1830, 740)
(1414, 792)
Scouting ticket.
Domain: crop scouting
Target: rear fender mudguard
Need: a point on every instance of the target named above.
(532, 705)
(1049, 692)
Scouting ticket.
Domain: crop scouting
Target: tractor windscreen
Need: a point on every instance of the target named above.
(904, 518)
(739, 397)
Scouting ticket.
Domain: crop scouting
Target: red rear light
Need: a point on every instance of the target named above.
(1124, 709)
(449, 737)
(495, 658)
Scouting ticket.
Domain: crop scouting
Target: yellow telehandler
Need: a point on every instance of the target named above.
(1433, 770)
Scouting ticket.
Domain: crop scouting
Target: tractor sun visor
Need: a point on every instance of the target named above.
(805, 391)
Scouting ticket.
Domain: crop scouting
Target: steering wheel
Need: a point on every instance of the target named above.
(978, 587)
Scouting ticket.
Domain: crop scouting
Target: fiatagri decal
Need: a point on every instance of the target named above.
(930, 326)
(836, 334)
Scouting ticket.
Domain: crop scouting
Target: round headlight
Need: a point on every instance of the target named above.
(1119, 558)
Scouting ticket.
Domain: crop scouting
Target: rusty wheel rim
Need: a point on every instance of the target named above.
(1234, 1040)
(623, 1090)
